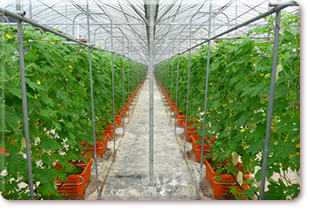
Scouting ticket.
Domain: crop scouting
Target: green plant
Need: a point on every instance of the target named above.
(238, 97)
(59, 108)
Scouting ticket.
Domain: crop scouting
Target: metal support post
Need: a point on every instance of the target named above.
(92, 97)
(176, 94)
(123, 89)
(128, 83)
(188, 81)
(24, 101)
(113, 109)
(151, 93)
(133, 66)
(171, 88)
(271, 101)
(113, 104)
(167, 77)
(205, 106)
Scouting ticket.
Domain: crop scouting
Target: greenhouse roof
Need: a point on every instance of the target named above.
(128, 21)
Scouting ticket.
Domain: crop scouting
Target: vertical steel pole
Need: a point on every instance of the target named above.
(128, 67)
(205, 105)
(188, 81)
(163, 75)
(24, 101)
(151, 93)
(123, 98)
(159, 74)
(271, 101)
(142, 67)
(176, 94)
(133, 76)
(92, 96)
(113, 109)
(168, 73)
(113, 99)
(123, 87)
(167, 77)
(171, 89)
(133, 66)
(132, 73)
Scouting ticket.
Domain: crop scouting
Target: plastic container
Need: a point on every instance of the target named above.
(181, 119)
(76, 184)
(101, 146)
(118, 119)
(109, 130)
(197, 147)
(222, 187)
(190, 130)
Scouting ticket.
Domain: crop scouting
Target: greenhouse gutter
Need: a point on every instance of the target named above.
(277, 8)
(18, 16)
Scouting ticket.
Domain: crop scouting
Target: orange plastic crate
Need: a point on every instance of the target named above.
(197, 147)
(181, 119)
(222, 187)
(109, 130)
(118, 120)
(76, 184)
(190, 131)
(101, 146)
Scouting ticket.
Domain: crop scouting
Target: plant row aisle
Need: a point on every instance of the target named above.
(237, 106)
(59, 107)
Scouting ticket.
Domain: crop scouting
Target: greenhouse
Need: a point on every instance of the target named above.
(150, 100)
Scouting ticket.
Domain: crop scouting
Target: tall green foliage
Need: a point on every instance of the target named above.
(238, 97)
(59, 107)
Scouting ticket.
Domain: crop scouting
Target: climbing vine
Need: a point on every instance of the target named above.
(238, 97)
(59, 107)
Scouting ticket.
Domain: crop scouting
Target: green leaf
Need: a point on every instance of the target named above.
(248, 90)
(50, 144)
(14, 90)
(61, 93)
(11, 118)
(47, 112)
(280, 92)
(48, 100)
(242, 120)
(258, 91)
(34, 85)
(256, 147)
(294, 101)
(14, 161)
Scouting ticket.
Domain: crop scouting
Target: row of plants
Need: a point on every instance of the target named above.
(59, 107)
(237, 103)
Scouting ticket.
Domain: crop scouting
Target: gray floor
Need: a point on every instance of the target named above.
(128, 175)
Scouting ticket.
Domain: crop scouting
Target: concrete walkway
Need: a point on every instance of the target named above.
(128, 176)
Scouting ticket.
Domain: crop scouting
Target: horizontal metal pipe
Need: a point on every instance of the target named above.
(91, 24)
(273, 4)
(184, 39)
(197, 24)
